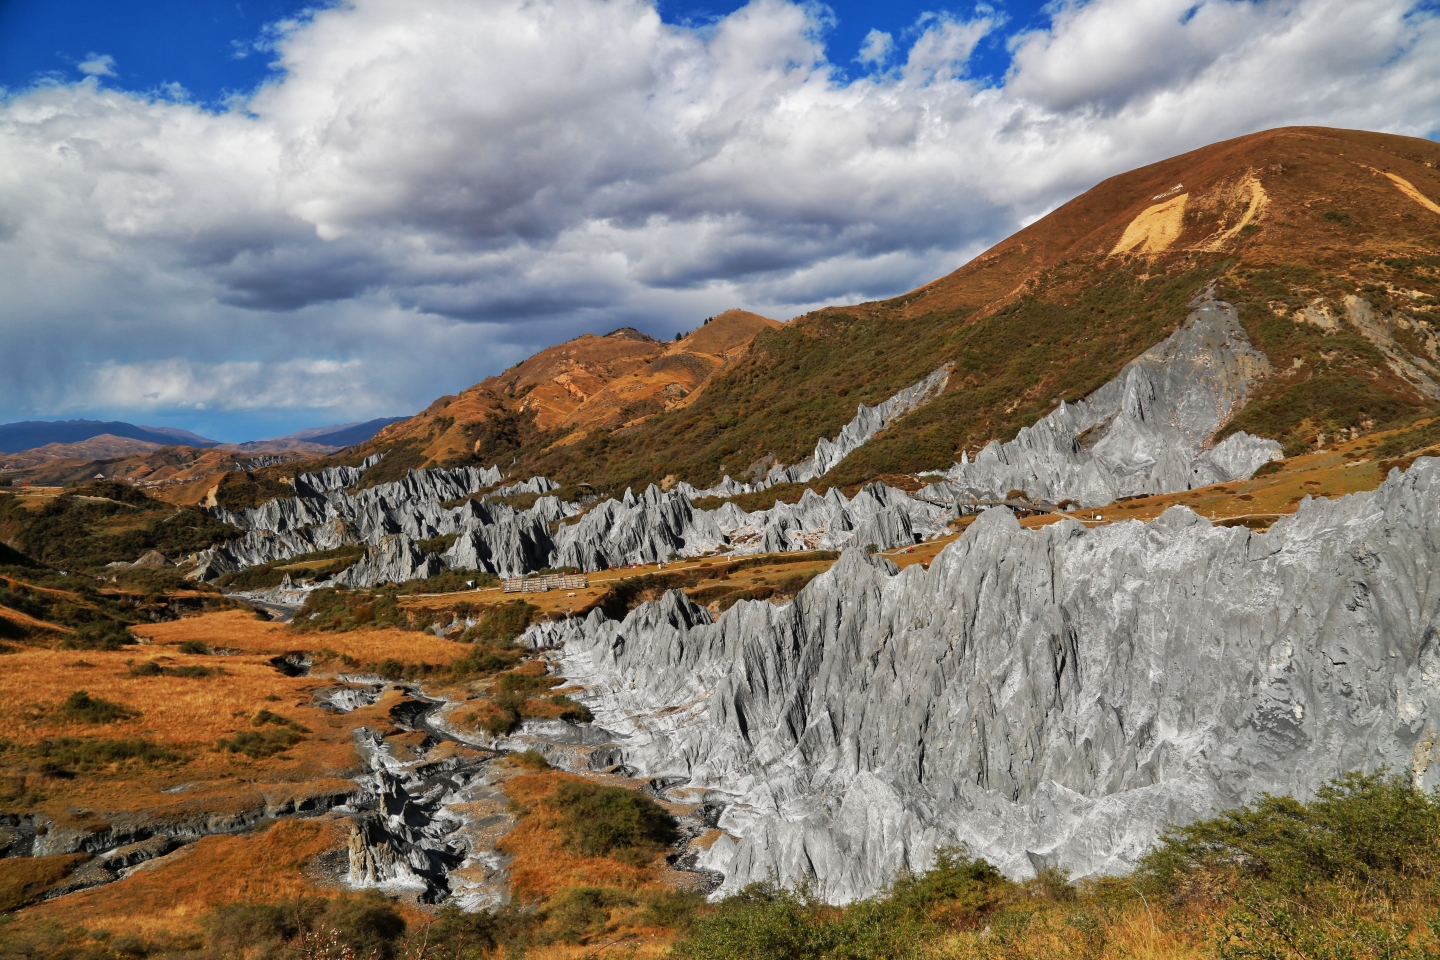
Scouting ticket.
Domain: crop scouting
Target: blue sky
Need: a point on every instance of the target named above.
(216, 49)
(246, 219)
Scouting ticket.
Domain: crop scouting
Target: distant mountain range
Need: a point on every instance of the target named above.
(32, 434)
(29, 434)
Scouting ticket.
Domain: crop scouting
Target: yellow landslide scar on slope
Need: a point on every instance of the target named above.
(1408, 188)
(1258, 200)
(1155, 229)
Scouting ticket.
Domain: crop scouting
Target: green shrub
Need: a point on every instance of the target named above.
(526, 683)
(613, 822)
(80, 707)
(153, 669)
(364, 925)
(84, 754)
(768, 921)
(95, 523)
(502, 623)
(341, 610)
(532, 759)
(195, 647)
(265, 717)
(257, 745)
(573, 712)
(1284, 846)
(104, 635)
(577, 911)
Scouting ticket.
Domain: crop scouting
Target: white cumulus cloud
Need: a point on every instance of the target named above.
(97, 65)
(431, 190)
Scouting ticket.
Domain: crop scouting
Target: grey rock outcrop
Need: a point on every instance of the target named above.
(867, 422)
(1045, 697)
(533, 485)
(323, 516)
(392, 519)
(651, 527)
(1145, 432)
(335, 478)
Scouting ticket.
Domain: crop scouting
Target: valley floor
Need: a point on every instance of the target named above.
(148, 789)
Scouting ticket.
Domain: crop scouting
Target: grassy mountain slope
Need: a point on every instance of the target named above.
(564, 393)
(1296, 225)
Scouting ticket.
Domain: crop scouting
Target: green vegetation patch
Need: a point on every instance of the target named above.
(611, 822)
(321, 564)
(1361, 831)
(501, 624)
(190, 671)
(1323, 382)
(766, 921)
(260, 744)
(95, 523)
(341, 610)
(243, 490)
(80, 707)
(88, 755)
(103, 635)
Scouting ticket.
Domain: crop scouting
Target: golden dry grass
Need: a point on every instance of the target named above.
(239, 630)
(184, 714)
(23, 878)
(543, 865)
(174, 893)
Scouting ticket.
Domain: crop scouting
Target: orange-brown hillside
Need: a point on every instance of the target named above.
(1282, 181)
(1296, 226)
(586, 384)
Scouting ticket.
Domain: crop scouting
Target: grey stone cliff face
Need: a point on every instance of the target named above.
(867, 422)
(495, 538)
(1044, 697)
(1145, 432)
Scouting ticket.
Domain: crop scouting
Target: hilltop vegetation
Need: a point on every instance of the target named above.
(91, 524)
(1051, 313)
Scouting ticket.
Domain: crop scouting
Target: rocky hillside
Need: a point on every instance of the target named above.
(1325, 240)
(1131, 520)
(567, 392)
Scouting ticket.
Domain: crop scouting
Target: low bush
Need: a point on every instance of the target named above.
(153, 669)
(85, 755)
(612, 822)
(258, 745)
(1288, 848)
(80, 707)
(266, 718)
(363, 925)
(104, 635)
(502, 623)
(341, 610)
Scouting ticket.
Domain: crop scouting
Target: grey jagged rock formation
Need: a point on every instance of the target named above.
(392, 519)
(533, 485)
(1145, 432)
(335, 478)
(867, 422)
(1044, 697)
(655, 525)
(323, 516)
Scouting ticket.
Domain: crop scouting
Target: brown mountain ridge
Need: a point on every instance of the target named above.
(1326, 239)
